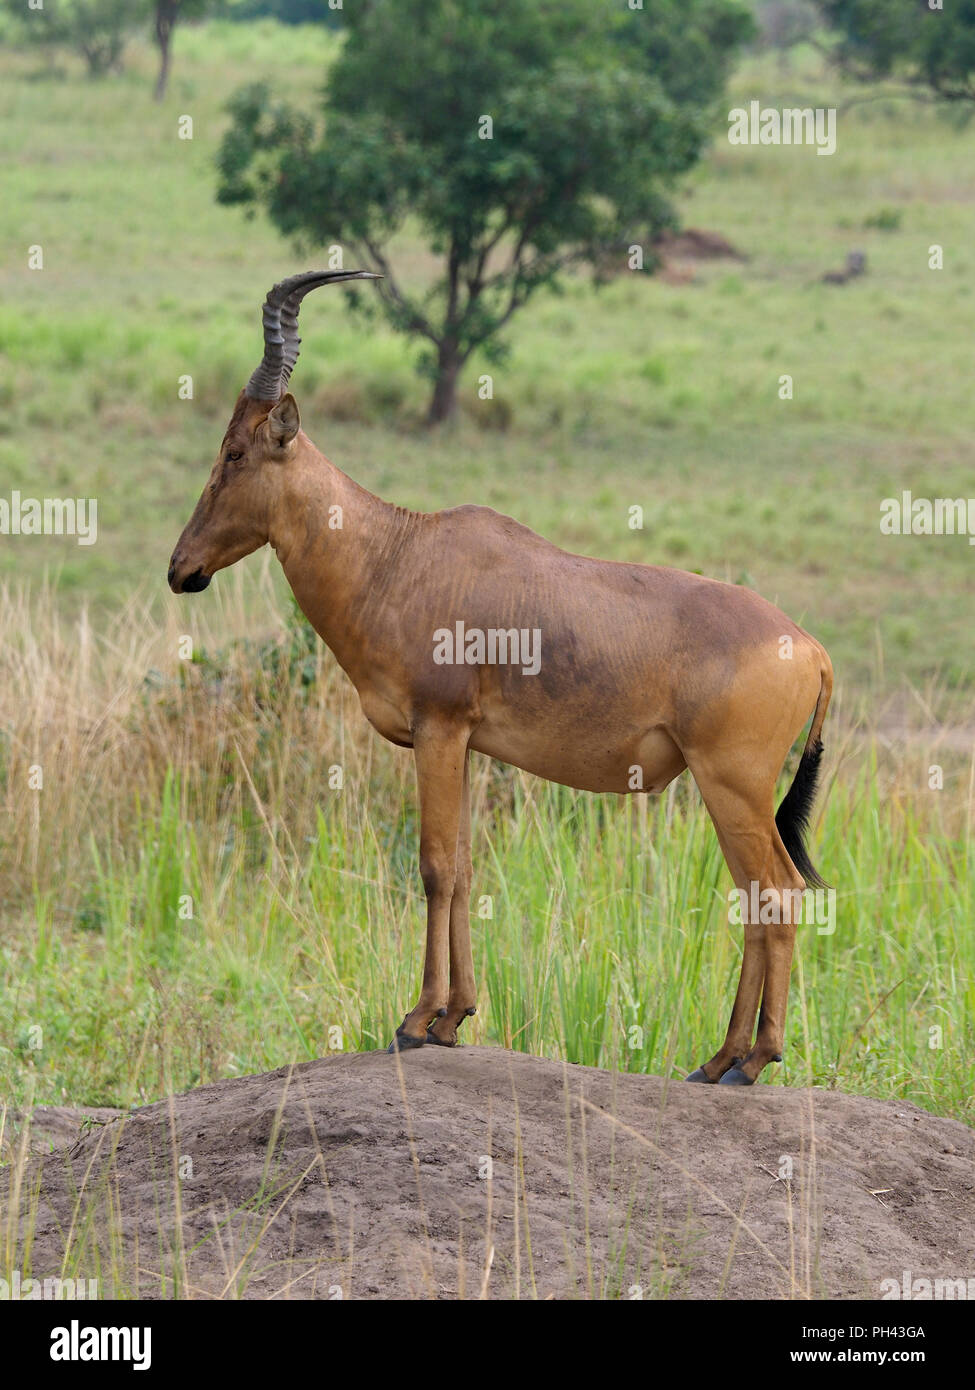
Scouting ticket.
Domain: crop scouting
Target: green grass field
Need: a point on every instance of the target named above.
(164, 783)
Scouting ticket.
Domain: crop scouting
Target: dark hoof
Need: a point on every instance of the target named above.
(734, 1076)
(699, 1075)
(444, 1042)
(402, 1042)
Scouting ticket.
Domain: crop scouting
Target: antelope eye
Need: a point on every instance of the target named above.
(234, 455)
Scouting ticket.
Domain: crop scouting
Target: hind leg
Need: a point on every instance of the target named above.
(779, 948)
(737, 1043)
(740, 803)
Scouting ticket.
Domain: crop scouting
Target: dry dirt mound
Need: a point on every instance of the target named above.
(52, 1127)
(457, 1173)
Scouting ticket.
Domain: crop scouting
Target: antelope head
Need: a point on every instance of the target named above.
(231, 518)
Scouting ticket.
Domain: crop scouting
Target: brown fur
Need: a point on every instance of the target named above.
(640, 667)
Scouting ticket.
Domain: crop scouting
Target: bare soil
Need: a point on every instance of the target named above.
(480, 1172)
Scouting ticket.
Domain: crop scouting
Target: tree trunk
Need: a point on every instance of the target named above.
(166, 11)
(443, 403)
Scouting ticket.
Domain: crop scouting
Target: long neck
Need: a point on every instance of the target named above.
(338, 545)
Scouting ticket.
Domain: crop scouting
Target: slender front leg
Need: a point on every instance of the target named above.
(462, 997)
(441, 759)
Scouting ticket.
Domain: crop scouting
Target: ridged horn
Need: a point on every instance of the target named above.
(280, 318)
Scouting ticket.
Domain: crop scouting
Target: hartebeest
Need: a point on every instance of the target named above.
(635, 673)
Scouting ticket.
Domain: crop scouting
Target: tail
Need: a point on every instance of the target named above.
(792, 817)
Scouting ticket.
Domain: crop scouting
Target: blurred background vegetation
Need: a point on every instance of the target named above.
(613, 387)
(658, 389)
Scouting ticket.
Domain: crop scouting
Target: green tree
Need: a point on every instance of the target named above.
(97, 29)
(931, 48)
(166, 15)
(522, 136)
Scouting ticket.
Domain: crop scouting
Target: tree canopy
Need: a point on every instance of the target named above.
(100, 29)
(522, 136)
(96, 29)
(907, 38)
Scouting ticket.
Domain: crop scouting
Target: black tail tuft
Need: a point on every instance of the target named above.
(792, 817)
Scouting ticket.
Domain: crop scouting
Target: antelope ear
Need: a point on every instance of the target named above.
(284, 422)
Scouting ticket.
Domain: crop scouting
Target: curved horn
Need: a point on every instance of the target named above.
(280, 319)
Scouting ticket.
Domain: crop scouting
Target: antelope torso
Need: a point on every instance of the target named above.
(562, 665)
